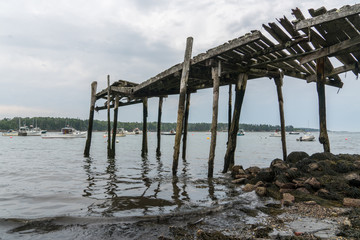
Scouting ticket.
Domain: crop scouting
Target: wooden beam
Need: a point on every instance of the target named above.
(121, 104)
(336, 71)
(108, 118)
(180, 117)
(215, 72)
(239, 97)
(158, 151)
(320, 86)
(144, 149)
(279, 83)
(186, 121)
(116, 108)
(345, 11)
(91, 119)
(330, 51)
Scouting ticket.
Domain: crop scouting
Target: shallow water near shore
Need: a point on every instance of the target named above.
(44, 179)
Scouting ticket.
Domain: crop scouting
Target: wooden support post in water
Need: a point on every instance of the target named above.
(239, 97)
(91, 119)
(144, 149)
(116, 108)
(320, 86)
(108, 118)
(215, 73)
(186, 121)
(180, 117)
(158, 151)
(230, 109)
(279, 83)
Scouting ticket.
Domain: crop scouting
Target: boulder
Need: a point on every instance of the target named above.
(288, 199)
(313, 182)
(303, 190)
(239, 181)
(353, 179)
(248, 188)
(237, 170)
(294, 157)
(323, 156)
(252, 170)
(314, 166)
(265, 175)
(261, 191)
(351, 202)
(260, 184)
(278, 166)
(303, 165)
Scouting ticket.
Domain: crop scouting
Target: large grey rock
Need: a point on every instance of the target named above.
(294, 157)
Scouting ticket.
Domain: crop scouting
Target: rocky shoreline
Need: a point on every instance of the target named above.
(319, 187)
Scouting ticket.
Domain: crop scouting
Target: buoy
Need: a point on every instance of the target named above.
(345, 138)
(208, 138)
(117, 141)
(10, 137)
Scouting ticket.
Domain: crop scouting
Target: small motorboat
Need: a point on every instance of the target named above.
(66, 132)
(171, 132)
(308, 137)
(275, 134)
(241, 132)
(294, 133)
(10, 133)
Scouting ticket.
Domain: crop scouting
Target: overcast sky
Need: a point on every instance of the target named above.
(51, 51)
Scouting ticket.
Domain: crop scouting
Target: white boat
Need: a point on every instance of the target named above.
(308, 137)
(275, 134)
(29, 131)
(294, 133)
(119, 133)
(136, 131)
(241, 132)
(66, 132)
(10, 133)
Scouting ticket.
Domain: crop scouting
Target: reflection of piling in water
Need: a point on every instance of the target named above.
(302, 50)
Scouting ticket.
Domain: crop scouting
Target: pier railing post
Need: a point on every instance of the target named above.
(186, 121)
(158, 151)
(183, 88)
(215, 73)
(239, 97)
(320, 86)
(91, 119)
(279, 83)
(116, 108)
(108, 118)
(144, 150)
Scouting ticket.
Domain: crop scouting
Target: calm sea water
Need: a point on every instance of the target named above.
(43, 178)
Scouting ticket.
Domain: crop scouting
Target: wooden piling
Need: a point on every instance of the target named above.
(239, 97)
(182, 93)
(144, 149)
(116, 108)
(158, 151)
(91, 119)
(279, 83)
(320, 86)
(186, 121)
(215, 73)
(108, 118)
(230, 109)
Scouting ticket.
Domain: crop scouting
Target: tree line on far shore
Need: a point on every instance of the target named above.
(55, 124)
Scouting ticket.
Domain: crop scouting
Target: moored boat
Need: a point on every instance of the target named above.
(10, 132)
(171, 132)
(66, 132)
(241, 132)
(308, 137)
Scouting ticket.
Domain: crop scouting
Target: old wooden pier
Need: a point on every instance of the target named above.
(302, 49)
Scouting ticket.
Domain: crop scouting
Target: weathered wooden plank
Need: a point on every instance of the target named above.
(336, 71)
(216, 71)
(323, 138)
(108, 118)
(239, 97)
(183, 88)
(158, 150)
(121, 104)
(330, 51)
(91, 119)
(328, 17)
(279, 83)
(116, 108)
(144, 149)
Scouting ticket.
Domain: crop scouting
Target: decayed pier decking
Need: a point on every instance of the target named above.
(303, 49)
